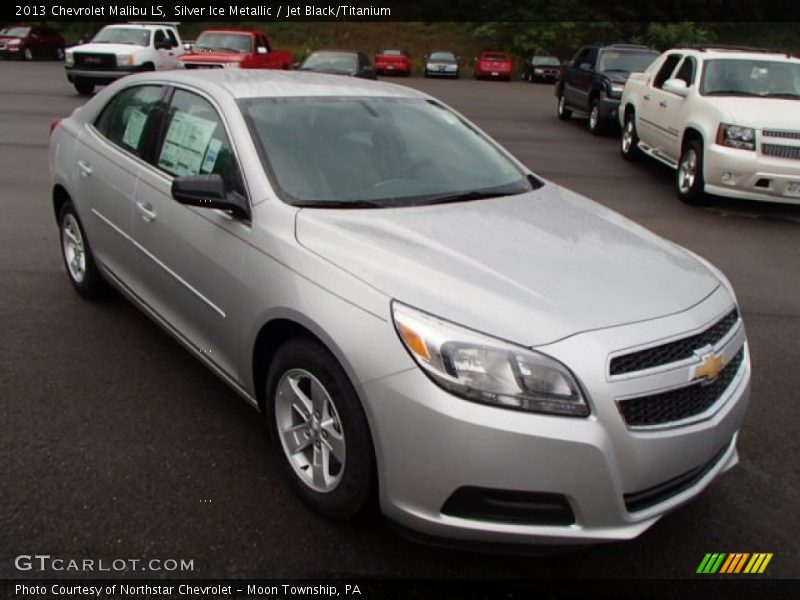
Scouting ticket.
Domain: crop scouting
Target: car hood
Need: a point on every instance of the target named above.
(760, 113)
(107, 48)
(617, 76)
(213, 55)
(532, 268)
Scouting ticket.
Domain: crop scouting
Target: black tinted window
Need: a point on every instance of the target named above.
(126, 118)
(666, 70)
(195, 142)
(687, 71)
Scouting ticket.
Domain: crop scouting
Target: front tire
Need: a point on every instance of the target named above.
(77, 255)
(629, 141)
(319, 429)
(563, 112)
(27, 54)
(595, 123)
(83, 87)
(689, 182)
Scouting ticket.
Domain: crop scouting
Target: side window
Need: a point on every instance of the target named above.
(262, 41)
(160, 38)
(666, 70)
(195, 142)
(126, 118)
(581, 57)
(172, 39)
(687, 71)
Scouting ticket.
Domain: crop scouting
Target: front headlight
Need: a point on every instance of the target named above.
(125, 59)
(617, 89)
(483, 369)
(16, 42)
(734, 136)
(69, 59)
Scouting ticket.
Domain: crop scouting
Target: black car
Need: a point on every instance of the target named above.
(591, 85)
(339, 62)
(541, 68)
(441, 63)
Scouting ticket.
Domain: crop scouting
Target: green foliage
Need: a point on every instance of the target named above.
(668, 35)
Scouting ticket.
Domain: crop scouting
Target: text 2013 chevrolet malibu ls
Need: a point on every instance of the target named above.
(415, 313)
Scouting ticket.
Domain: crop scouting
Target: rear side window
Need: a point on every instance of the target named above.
(127, 118)
(172, 39)
(195, 143)
(687, 71)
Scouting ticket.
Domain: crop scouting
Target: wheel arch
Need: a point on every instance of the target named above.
(692, 133)
(60, 198)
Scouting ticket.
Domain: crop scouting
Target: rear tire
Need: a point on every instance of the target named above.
(689, 182)
(629, 141)
(83, 87)
(313, 414)
(77, 255)
(563, 112)
(27, 54)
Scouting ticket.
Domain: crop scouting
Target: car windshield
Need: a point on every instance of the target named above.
(443, 56)
(226, 42)
(546, 61)
(339, 62)
(628, 62)
(376, 152)
(19, 32)
(123, 35)
(748, 77)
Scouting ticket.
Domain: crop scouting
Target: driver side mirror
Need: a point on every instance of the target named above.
(261, 50)
(677, 87)
(208, 191)
(187, 47)
(585, 67)
(295, 65)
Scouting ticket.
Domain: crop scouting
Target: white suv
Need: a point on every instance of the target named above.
(119, 50)
(727, 119)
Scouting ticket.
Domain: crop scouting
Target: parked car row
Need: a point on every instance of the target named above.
(726, 119)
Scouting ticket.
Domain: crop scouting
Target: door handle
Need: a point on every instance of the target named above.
(646, 97)
(146, 210)
(663, 104)
(85, 168)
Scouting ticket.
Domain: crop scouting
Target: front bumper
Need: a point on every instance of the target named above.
(98, 76)
(751, 175)
(609, 108)
(430, 444)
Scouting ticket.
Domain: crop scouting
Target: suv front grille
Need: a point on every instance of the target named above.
(673, 351)
(778, 133)
(679, 404)
(781, 151)
(93, 60)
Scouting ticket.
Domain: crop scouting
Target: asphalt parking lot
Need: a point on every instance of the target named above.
(115, 442)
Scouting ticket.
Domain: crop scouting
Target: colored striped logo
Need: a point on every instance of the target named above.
(734, 562)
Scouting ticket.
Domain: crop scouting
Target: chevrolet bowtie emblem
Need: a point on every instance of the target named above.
(710, 367)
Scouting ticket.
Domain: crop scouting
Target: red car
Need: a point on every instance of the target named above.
(29, 41)
(237, 48)
(394, 62)
(496, 65)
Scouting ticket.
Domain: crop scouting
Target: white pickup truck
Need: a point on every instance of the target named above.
(119, 50)
(726, 119)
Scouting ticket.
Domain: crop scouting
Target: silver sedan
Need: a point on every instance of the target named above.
(420, 319)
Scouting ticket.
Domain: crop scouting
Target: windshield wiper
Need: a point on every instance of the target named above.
(346, 204)
(467, 196)
(787, 95)
(732, 93)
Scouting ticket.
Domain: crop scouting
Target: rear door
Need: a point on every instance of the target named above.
(578, 82)
(108, 161)
(191, 258)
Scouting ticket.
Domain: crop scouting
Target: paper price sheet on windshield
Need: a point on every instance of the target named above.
(185, 145)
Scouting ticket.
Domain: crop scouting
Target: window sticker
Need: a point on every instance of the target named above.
(134, 128)
(211, 156)
(185, 144)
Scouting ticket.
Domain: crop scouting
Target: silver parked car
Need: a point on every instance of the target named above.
(415, 313)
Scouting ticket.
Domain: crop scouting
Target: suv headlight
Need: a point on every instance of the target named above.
(734, 136)
(483, 369)
(125, 59)
(69, 59)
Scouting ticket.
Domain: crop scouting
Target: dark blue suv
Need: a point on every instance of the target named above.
(591, 85)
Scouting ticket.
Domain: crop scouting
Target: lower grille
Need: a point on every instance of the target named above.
(780, 133)
(86, 60)
(506, 506)
(780, 151)
(682, 403)
(666, 490)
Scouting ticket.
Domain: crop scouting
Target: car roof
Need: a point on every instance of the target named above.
(230, 30)
(268, 83)
(711, 52)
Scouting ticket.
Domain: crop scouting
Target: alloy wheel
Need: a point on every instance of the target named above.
(627, 136)
(74, 248)
(687, 171)
(310, 430)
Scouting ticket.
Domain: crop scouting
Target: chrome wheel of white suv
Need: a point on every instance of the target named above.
(689, 176)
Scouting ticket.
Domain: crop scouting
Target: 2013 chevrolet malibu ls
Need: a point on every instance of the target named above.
(414, 312)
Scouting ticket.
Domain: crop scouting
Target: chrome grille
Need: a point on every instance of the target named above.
(673, 351)
(778, 133)
(780, 151)
(679, 404)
